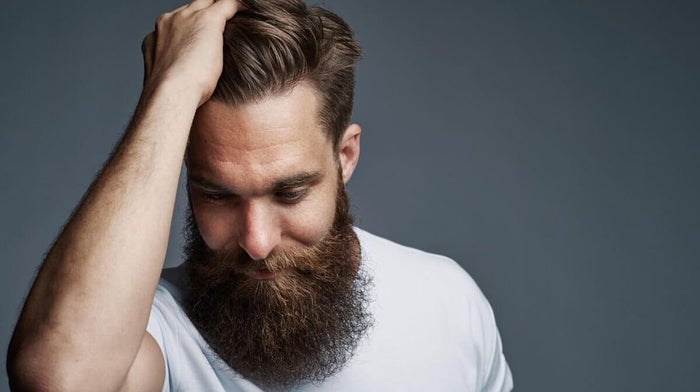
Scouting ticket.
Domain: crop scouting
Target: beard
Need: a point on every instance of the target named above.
(301, 327)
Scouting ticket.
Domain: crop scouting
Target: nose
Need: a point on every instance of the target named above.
(259, 231)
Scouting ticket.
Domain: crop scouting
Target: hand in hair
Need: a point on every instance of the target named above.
(83, 325)
(186, 47)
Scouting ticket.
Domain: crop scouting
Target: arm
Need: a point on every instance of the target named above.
(84, 321)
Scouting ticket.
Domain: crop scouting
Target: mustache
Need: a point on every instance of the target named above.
(224, 266)
(302, 326)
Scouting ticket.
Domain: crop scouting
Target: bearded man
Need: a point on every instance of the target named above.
(279, 291)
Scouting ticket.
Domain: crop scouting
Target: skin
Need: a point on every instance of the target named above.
(83, 325)
(251, 159)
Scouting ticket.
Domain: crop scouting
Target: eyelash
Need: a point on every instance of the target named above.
(289, 197)
(213, 196)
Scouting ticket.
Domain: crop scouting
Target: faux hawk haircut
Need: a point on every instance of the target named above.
(271, 45)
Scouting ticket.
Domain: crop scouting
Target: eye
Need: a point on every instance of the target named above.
(291, 196)
(213, 196)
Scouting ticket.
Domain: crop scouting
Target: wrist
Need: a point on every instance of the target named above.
(175, 92)
(167, 96)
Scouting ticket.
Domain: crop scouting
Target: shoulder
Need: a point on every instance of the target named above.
(427, 295)
(414, 266)
(433, 285)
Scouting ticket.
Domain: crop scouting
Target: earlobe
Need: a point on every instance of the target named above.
(349, 150)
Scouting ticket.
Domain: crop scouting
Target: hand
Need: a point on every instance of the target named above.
(187, 47)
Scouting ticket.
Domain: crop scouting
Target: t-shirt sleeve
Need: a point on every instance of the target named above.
(499, 378)
(493, 371)
(158, 328)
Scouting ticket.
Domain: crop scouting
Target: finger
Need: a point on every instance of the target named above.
(162, 18)
(226, 8)
(148, 50)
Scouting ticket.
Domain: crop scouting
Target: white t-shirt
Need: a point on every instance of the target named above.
(433, 331)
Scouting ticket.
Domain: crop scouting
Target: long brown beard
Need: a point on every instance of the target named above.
(283, 332)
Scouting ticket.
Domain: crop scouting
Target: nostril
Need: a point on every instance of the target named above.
(257, 246)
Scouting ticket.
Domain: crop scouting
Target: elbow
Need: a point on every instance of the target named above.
(39, 373)
(32, 374)
(23, 376)
(21, 369)
(40, 364)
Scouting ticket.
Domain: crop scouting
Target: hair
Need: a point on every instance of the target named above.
(272, 45)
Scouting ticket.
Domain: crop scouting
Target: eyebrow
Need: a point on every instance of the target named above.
(296, 180)
(204, 183)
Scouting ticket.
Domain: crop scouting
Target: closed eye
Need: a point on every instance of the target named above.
(214, 196)
(291, 196)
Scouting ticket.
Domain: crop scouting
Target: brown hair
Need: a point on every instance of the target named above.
(272, 45)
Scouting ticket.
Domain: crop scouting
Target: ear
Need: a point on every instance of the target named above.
(349, 151)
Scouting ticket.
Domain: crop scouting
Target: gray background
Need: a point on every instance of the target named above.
(550, 147)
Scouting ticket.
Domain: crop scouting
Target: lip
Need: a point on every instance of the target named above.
(264, 274)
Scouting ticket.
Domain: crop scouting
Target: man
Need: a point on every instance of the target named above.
(278, 290)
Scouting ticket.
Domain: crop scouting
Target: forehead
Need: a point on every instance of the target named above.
(259, 142)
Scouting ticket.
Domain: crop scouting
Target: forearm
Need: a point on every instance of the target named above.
(90, 302)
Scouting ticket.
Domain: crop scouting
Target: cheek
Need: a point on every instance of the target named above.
(309, 222)
(214, 226)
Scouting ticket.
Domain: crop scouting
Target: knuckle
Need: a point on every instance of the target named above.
(206, 14)
(162, 18)
(182, 14)
(186, 11)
